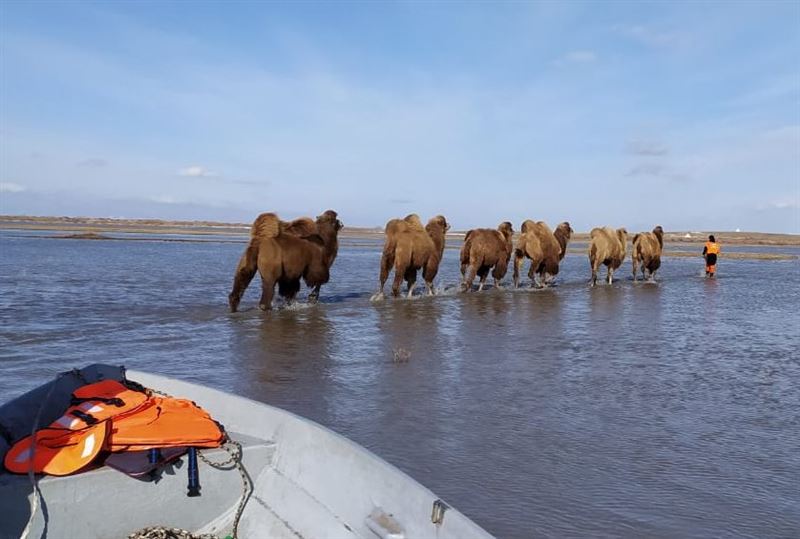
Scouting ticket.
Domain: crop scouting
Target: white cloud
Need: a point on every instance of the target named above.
(10, 187)
(576, 57)
(651, 36)
(196, 171)
(166, 199)
(787, 203)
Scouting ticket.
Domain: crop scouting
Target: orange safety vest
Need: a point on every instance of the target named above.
(108, 416)
(712, 248)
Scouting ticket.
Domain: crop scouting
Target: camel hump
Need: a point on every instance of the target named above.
(544, 228)
(266, 225)
(302, 227)
(395, 226)
(413, 221)
(527, 225)
(469, 235)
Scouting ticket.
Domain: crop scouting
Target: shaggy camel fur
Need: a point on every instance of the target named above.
(647, 247)
(563, 233)
(607, 246)
(483, 249)
(410, 247)
(283, 253)
(538, 243)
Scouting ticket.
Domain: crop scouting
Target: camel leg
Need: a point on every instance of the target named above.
(635, 263)
(429, 271)
(288, 290)
(267, 291)
(482, 282)
(518, 260)
(411, 279)
(313, 297)
(387, 261)
(398, 280)
(498, 273)
(610, 275)
(467, 285)
(245, 272)
(595, 267)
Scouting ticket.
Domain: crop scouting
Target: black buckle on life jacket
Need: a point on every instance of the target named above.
(89, 419)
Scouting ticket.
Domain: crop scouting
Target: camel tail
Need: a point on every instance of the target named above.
(266, 225)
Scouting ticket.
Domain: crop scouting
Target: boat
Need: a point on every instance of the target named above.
(281, 476)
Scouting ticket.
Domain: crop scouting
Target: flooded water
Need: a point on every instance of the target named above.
(658, 410)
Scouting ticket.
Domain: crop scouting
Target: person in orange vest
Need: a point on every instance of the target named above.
(710, 253)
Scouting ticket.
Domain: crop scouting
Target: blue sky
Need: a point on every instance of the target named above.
(628, 114)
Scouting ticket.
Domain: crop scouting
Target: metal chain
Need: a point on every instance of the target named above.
(162, 532)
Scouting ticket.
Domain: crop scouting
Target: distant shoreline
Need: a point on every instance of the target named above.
(98, 225)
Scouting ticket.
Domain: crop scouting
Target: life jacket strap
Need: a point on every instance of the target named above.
(89, 419)
(113, 401)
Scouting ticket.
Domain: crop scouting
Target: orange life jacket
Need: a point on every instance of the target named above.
(108, 416)
(712, 248)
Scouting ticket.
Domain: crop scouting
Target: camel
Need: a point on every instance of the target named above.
(607, 246)
(537, 242)
(647, 247)
(483, 249)
(283, 253)
(410, 247)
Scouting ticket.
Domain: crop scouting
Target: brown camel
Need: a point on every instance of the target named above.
(607, 246)
(410, 247)
(483, 249)
(537, 242)
(283, 253)
(647, 247)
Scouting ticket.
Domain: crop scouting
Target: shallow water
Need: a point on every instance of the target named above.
(658, 410)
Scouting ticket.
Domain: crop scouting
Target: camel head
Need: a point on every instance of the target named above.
(330, 217)
(506, 229)
(659, 232)
(622, 234)
(438, 221)
(566, 229)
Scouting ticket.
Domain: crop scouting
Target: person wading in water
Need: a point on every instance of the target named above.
(710, 252)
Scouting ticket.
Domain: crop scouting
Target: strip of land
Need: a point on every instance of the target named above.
(679, 244)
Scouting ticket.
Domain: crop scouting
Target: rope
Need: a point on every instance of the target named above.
(37, 494)
(234, 449)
